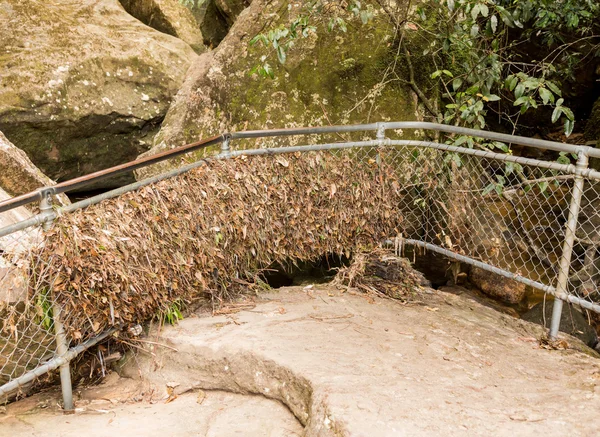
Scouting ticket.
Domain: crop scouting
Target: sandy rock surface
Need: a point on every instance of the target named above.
(345, 364)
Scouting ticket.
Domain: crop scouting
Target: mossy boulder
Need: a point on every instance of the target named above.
(329, 78)
(170, 17)
(83, 85)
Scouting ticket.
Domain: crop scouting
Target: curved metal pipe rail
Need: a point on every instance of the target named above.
(83, 181)
(580, 171)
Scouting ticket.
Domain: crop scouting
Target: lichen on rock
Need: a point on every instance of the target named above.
(329, 78)
(170, 17)
(83, 85)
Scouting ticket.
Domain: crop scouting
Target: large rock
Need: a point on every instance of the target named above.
(170, 17)
(83, 84)
(497, 286)
(13, 254)
(19, 175)
(347, 365)
(328, 78)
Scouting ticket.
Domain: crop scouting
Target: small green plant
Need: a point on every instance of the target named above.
(316, 14)
(261, 285)
(172, 313)
(43, 304)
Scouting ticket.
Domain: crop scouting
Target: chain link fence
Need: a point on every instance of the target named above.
(522, 222)
(26, 329)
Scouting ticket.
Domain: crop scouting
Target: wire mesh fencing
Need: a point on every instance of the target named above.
(26, 329)
(584, 273)
(533, 222)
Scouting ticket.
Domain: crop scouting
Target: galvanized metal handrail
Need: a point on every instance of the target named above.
(48, 214)
(83, 181)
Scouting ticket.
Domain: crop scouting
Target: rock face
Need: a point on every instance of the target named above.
(328, 78)
(19, 241)
(13, 274)
(215, 17)
(414, 370)
(83, 84)
(592, 132)
(168, 16)
(497, 286)
(19, 175)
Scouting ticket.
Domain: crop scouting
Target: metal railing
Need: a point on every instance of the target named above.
(534, 222)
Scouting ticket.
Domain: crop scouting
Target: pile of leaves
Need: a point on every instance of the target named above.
(382, 273)
(210, 232)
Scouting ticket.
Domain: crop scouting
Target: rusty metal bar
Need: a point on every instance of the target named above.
(83, 181)
(89, 179)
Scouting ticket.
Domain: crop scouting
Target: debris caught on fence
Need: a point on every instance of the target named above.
(208, 233)
(382, 273)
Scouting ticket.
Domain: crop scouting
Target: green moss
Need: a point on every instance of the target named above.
(335, 79)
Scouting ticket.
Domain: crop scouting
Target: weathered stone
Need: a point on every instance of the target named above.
(497, 286)
(350, 366)
(13, 283)
(215, 17)
(20, 241)
(83, 84)
(19, 175)
(327, 79)
(13, 249)
(170, 17)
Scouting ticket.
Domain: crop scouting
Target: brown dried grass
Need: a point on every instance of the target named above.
(209, 232)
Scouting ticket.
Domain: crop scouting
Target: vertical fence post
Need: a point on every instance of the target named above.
(567, 252)
(380, 136)
(46, 207)
(61, 349)
(59, 331)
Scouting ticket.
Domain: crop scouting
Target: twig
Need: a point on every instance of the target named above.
(153, 342)
(411, 71)
(346, 316)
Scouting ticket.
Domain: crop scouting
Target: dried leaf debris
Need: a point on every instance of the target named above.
(208, 233)
(382, 273)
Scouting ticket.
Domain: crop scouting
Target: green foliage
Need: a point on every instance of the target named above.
(43, 303)
(501, 58)
(316, 14)
(172, 313)
(477, 44)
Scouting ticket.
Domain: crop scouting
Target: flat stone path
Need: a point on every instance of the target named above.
(219, 414)
(346, 364)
